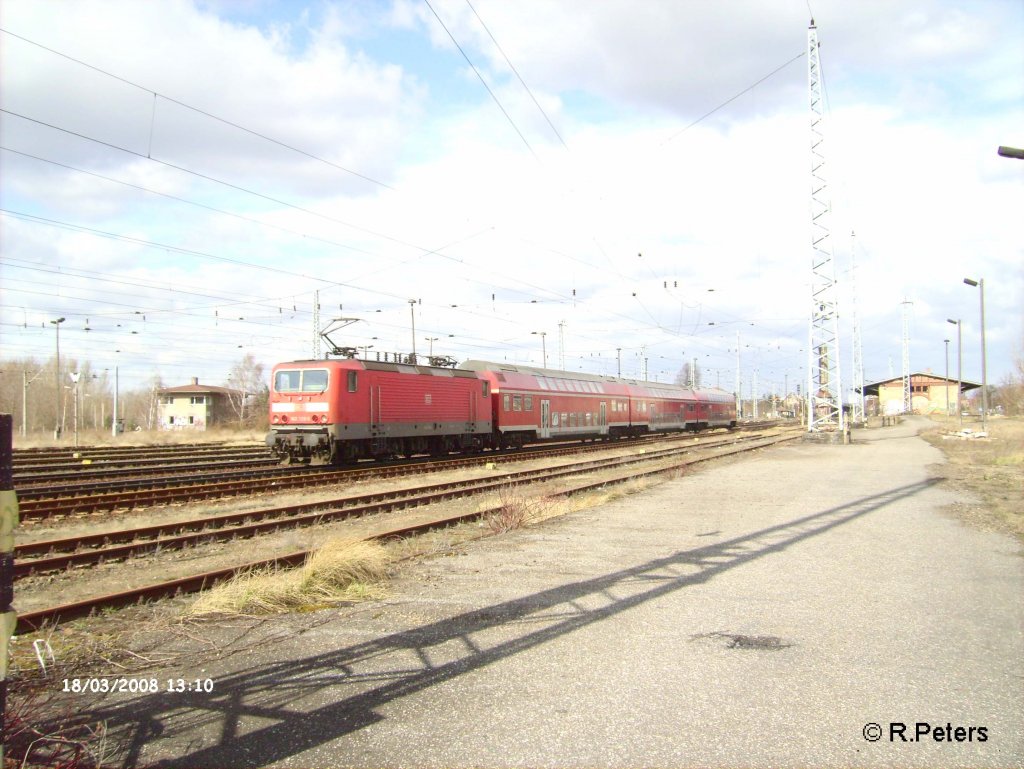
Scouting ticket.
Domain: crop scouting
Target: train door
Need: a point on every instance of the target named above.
(545, 419)
(602, 419)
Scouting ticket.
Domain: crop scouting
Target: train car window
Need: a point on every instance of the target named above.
(287, 381)
(314, 380)
(528, 404)
(588, 419)
(691, 407)
(565, 419)
(353, 381)
(554, 419)
(517, 402)
(506, 400)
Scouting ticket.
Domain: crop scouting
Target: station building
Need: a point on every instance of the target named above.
(929, 394)
(194, 406)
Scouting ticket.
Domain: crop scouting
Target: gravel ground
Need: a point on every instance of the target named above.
(753, 613)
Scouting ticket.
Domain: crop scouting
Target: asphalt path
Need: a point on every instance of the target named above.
(813, 605)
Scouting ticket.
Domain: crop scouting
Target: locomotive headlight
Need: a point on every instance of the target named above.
(275, 419)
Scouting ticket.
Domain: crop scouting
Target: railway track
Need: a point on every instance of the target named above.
(107, 496)
(119, 545)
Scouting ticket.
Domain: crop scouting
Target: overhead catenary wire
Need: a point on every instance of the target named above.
(481, 77)
(518, 76)
(225, 121)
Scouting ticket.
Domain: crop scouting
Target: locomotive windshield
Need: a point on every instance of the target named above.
(300, 380)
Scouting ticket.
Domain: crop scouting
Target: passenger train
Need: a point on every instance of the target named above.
(342, 410)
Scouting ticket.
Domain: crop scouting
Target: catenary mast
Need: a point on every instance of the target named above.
(824, 386)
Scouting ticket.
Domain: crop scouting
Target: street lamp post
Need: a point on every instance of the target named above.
(980, 284)
(959, 369)
(56, 429)
(543, 345)
(430, 341)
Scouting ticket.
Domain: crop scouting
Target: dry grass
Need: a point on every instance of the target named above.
(87, 438)
(340, 570)
(992, 469)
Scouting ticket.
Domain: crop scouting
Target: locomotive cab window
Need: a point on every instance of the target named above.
(353, 381)
(300, 380)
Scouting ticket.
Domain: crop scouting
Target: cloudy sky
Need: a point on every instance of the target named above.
(604, 179)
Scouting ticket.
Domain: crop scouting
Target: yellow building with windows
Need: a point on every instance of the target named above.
(929, 394)
(195, 406)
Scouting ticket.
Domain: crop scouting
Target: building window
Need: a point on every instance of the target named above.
(353, 381)
(167, 400)
(191, 420)
(197, 400)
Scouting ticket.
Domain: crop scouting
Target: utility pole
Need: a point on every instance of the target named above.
(56, 430)
(858, 349)
(739, 394)
(824, 385)
(980, 284)
(412, 313)
(543, 345)
(959, 370)
(908, 404)
(618, 359)
(316, 325)
(113, 428)
(561, 345)
(947, 376)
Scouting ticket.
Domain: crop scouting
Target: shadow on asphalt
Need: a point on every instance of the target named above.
(362, 677)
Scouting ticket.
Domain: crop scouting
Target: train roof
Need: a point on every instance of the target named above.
(653, 388)
(372, 365)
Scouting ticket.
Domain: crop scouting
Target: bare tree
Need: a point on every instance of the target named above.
(683, 377)
(246, 389)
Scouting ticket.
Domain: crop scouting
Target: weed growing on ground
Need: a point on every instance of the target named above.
(340, 570)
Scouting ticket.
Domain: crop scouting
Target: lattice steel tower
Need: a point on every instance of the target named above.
(824, 385)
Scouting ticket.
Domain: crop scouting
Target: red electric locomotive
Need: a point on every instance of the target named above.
(346, 409)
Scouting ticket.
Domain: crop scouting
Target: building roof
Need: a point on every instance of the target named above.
(920, 378)
(195, 389)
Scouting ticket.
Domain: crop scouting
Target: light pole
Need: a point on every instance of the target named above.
(618, 362)
(412, 312)
(56, 429)
(947, 376)
(980, 284)
(959, 368)
(543, 344)
(431, 340)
